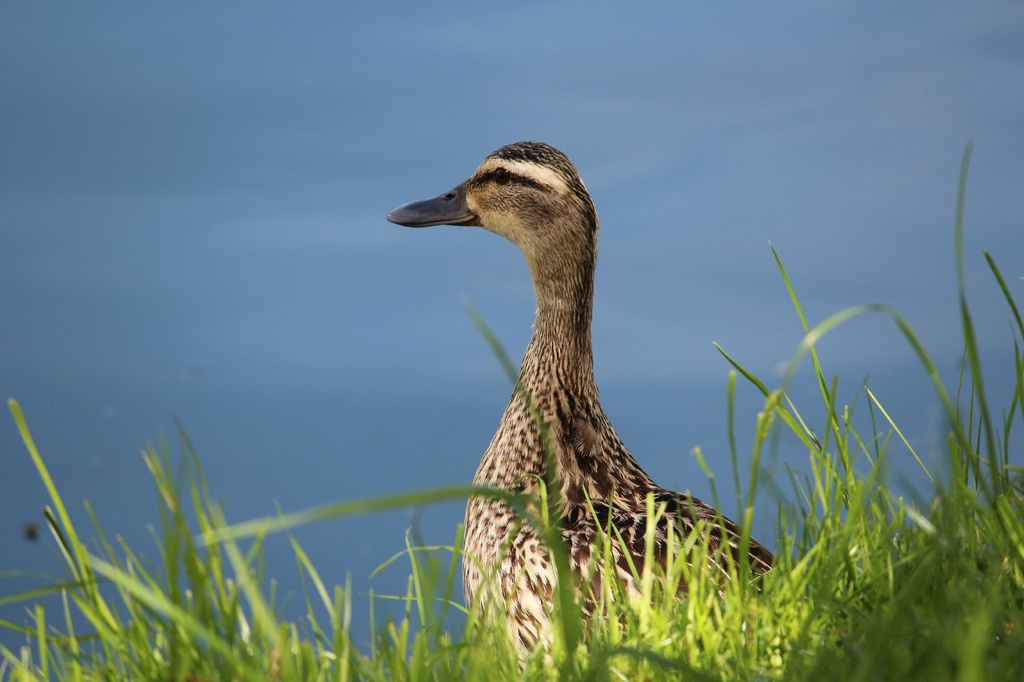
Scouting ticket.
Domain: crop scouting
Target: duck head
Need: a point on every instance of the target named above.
(531, 194)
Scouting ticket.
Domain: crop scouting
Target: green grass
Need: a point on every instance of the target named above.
(867, 585)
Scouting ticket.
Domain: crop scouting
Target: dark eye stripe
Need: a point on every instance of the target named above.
(503, 176)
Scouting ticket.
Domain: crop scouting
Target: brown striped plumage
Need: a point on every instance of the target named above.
(531, 194)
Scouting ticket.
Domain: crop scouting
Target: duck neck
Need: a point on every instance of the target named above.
(560, 352)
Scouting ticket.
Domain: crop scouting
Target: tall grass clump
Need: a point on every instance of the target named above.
(867, 585)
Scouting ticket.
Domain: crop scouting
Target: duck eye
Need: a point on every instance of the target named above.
(502, 176)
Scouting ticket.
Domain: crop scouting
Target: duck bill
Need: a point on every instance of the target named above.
(448, 209)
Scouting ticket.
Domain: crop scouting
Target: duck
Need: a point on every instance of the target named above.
(532, 195)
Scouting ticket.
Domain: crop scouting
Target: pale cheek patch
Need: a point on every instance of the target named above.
(506, 224)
